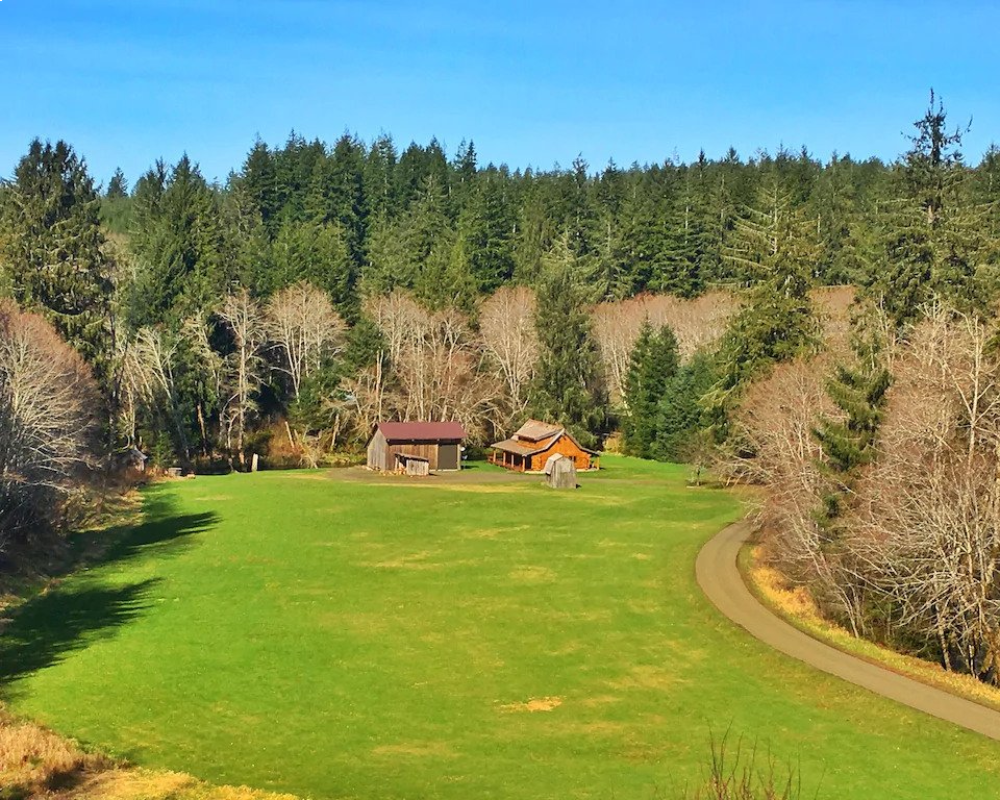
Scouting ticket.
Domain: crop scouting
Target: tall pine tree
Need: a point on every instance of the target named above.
(652, 366)
(567, 387)
(55, 251)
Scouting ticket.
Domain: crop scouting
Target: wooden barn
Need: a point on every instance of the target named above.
(535, 442)
(416, 447)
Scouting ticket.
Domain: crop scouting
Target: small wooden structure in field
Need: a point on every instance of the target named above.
(560, 472)
(394, 445)
(535, 442)
(409, 464)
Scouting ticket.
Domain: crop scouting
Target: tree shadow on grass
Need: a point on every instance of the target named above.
(53, 625)
(163, 531)
(70, 616)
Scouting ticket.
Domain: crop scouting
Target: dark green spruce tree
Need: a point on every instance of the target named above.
(55, 251)
(567, 388)
(934, 236)
(773, 249)
(180, 243)
(680, 417)
(848, 443)
(653, 365)
(117, 186)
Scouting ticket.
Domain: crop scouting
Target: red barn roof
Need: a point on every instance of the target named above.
(422, 431)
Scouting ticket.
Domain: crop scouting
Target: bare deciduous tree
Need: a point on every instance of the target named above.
(435, 365)
(928, 527)
(246, 367)
(509, 334)
(48, 412)
(305, 328)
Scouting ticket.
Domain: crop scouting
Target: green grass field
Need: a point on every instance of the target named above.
(335, 635)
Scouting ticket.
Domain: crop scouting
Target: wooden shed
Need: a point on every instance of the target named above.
(412, 465)
(438, 443)
(535, 442)
(560, 472)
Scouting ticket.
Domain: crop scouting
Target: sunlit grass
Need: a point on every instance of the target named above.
(335, 635)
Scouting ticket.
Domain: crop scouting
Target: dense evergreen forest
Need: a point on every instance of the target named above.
(826, 329)
(182, 295)
(163, 286)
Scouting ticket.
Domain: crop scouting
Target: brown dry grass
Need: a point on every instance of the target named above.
(37, 761)
(36, 764)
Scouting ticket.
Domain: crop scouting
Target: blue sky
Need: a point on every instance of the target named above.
(537, 83)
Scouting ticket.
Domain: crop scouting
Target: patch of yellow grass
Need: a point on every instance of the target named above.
(532, 574)
(794, 601)
(601, 700)
(479, 488)
(408, 561)
(645, 676)
(492, 533)
(796, 605)
(532, 705)
(136, 784)
(36, 764)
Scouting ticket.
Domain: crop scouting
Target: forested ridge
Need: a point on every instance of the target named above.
(673, 310)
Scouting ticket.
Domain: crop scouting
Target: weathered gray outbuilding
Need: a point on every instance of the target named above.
(560, 472)
(439, 443)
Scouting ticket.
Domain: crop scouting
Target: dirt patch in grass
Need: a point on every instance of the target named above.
(532, 705)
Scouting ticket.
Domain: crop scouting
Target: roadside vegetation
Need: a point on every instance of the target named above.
(796, 605)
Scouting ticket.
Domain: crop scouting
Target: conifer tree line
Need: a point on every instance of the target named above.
(322, 288)
(825, 329)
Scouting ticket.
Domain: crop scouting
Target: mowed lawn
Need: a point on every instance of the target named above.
(477, 636)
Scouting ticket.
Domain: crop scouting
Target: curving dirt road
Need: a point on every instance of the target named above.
(722, 583)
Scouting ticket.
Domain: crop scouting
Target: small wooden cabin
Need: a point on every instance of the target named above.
(535, 442)
(437, 443)
(560, 472)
